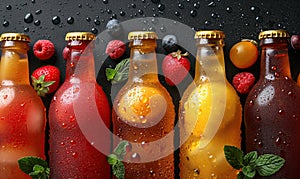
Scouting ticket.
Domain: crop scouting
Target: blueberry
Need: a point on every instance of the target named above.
(113, 27)
(169, 43)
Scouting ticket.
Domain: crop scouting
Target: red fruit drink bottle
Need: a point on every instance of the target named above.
(272, 108)
(22, 113)
(79, 117)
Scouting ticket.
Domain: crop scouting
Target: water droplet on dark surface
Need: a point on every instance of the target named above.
(33, 1)
(80, 5)
(5, 23)
(177, 13)
(140, 11)
(161, 7)
(37, 22)
(94, 30)
(155, 1)
(122, 13)
(181, 6)
(97, 21)
(105, 1)
(8, 7)
(197, 5)
(113, 16)
(133, 5)
(211, 4)
(207, 23)
(56, 20)
(254, 9)
(70, 20)
(214, 15)
(26, 29)
(193, 13)
(37, 12)
(28, 18)
(259, 19)
(88, 19)
(229, 9)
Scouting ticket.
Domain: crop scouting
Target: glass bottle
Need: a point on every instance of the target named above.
(272, 107)
(210, 113)
(298, 80)
(143, 114)
(22, 113)
(74, 117)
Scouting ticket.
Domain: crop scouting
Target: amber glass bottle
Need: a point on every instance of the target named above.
(272, 112)
(22, 113)
(143, 114)
(74, 111)
(210, 113)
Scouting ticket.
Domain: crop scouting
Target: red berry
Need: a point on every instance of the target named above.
(115, 49)
(66, 53)
(43, 49)
(175, 67)
(243, 82)
(45, 79)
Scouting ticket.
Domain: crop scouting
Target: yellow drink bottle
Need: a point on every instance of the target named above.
(22, 113)
(143, 114)
(210, 114)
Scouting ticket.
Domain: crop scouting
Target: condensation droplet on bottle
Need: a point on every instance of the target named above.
(75, 154)
(62, 143)
(135, 157)
(278, 141)
(152, 173)
(258, 118)
(260, 144)
(196, 172)
(72, 142)
(274, 68)
(280, 111)
(64, 125)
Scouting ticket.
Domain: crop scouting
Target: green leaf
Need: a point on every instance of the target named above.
(110, 73)
(250, 158)
(120, 73)
(26, 164)
(242, 176)
(112, 159)
(120, 150)
(268, 164)
(119, 170)
(234, 156)
(249, 171)
(39, 169)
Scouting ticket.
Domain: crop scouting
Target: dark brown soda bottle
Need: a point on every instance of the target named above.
(272, 108)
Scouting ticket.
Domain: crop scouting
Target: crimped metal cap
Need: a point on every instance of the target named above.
(273, 34)
(209, 34)
(80, 36)
(139, 35)
(14, 37)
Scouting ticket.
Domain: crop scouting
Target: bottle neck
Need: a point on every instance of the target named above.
(143, 65)
(274, 59)
(209, 60)
(14, 63)
(81, 62)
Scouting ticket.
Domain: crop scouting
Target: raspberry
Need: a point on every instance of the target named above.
(243, 82)
(66, 53)
(115, 49)
(43, 49)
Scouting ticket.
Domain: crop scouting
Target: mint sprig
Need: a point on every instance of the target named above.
(252, 164)
(115, 159)
(35, 167)
(119, 73)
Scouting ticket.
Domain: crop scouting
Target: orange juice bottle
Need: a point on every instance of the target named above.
(143, 114)
(298, 81)
(210, 113)
(22, 113)
(272, 108)
(75, 111)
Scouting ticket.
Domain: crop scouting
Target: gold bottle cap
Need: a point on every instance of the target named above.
(273, 34)
(209, 34)
(80, 36)
(138, 35)
(14, 37)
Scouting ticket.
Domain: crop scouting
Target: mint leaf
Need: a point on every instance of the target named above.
(268, 164)
(112, 159)
(234, 156)
(110, 73)
(119, 170)
(249, 171)
(120, 73)
(242, 176)
(120, 150)
(250, 158)
(35, 167)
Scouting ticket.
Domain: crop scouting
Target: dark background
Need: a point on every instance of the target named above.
(238, 19)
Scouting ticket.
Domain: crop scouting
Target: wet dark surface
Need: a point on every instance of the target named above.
(45, 19)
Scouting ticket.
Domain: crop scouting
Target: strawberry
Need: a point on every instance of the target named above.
(45, 79)
(115, 49)
(175, 67)
(243, 82)
(43, 49)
